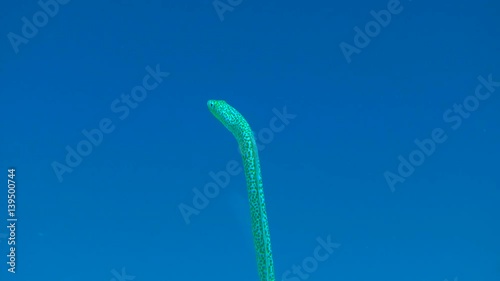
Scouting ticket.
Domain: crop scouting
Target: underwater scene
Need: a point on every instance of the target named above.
(250, 140)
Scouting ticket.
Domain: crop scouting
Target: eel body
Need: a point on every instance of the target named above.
(239, 127)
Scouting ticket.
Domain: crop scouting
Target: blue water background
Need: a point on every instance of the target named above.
(118, 212)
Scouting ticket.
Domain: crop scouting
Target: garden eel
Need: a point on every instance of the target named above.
(238, 126)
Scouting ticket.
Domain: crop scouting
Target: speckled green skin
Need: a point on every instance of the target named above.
(238, 126)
